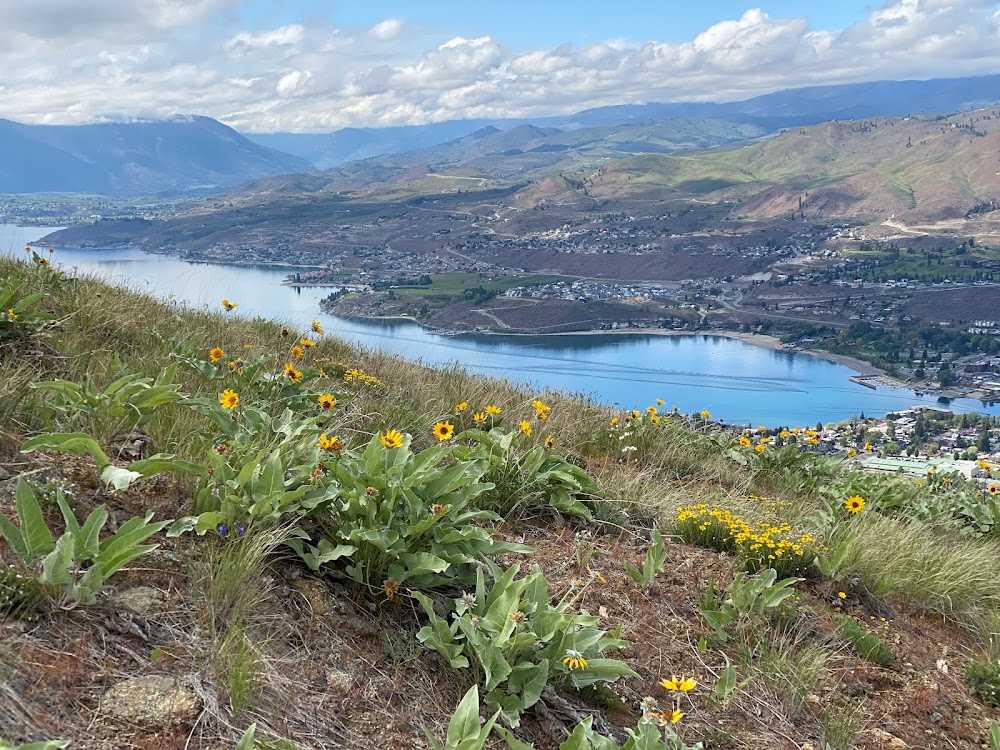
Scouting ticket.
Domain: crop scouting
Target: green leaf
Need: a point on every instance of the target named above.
(512, 742)
(56, 565)
(247, 740)
(162, 462)
(182, 526)
(601, 670)
(529, 680)
(464, 723)
(422, 562)
(994, 736)
(37, 537)
(726, 682)
(118, 478)
(87, 537)
(120, 549)
(13, 536)
(85, 590)
(73, 442)
(272, 477)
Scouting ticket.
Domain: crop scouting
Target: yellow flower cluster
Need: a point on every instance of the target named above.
(541, 410)
(357, 375)
(763, 544)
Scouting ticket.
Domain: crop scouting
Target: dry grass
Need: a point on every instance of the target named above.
(260, 640)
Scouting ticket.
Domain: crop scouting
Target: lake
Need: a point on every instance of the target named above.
(733, 380)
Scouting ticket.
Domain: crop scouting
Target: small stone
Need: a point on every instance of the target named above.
(888, 741)
(339, 680)
(151, 702)
(143, 600)
(4, 474)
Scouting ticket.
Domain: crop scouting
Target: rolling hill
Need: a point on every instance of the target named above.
(931, 168)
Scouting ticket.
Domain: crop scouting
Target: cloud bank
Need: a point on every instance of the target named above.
(71, 62)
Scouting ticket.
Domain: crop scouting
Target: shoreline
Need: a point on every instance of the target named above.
(864, 370)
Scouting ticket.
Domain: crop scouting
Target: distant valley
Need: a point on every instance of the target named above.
(833, 235)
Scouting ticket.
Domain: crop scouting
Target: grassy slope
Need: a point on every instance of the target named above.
(866, 171)
(313, 662)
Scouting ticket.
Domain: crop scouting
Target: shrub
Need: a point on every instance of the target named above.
(76, 565)
(868, 644)
(984, 680)
(514, 641)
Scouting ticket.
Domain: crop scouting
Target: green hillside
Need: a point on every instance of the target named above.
(930, 168)
(349, 550)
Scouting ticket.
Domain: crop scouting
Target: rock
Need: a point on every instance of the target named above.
(338, 680)
(888, 741)
(4, 474)
(320, 599)
(143, 600)
(150, 702)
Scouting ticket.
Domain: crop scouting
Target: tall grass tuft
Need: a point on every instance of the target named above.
(926, 569)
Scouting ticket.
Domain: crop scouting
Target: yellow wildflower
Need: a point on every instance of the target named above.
(574, 660)
(444, 430)
(229, 306)
(854, 504)
(391, 438)
(525, 427)
(229, 399)
(679, 684)
(216, 354)
(330, 444)
(327, 401)
(317, 328)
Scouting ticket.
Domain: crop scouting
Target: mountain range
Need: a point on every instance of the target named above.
(198, 155)
(179, 155)
(768, 113)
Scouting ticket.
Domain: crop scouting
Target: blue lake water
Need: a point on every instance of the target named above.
(733, 380)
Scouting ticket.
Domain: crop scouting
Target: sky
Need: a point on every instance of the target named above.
(321, 65)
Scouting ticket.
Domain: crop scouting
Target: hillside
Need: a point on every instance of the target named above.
(929, 169)
(185, 154)
(359, 538)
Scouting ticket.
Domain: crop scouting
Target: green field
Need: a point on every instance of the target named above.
(455, 284)
(955, 263)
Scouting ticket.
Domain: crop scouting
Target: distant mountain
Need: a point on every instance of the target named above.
(180, 155)
(814, 104)
(326, 150)
(766, 113)
(522, 153)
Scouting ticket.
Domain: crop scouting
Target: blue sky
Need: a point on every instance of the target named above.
(549, 23)
(321, 65)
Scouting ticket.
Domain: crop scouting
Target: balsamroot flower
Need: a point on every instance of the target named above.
(391, 438)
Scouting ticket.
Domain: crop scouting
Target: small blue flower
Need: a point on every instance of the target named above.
(241, 528)
(223, 529)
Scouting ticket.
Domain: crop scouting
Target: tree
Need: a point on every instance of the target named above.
(983, 441)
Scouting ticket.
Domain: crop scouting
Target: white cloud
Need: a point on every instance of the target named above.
(67, 61)
(293, 84)
(285, 36)
(386, 29)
